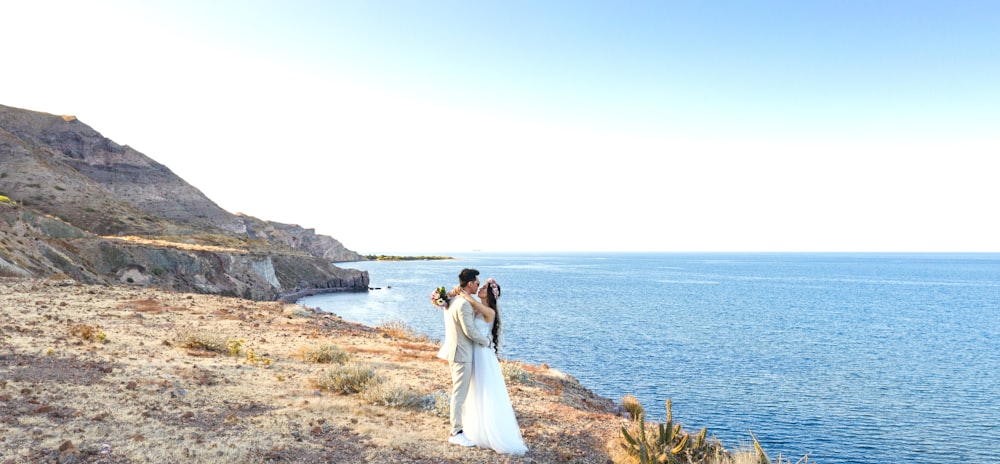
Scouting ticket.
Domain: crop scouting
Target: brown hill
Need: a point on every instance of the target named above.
(74, 202)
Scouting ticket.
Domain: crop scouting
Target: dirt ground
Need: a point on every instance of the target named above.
(108, 374)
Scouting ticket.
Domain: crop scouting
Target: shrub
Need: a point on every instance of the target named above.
(88, 332)
(235, 346)
(391, 394)
(513, 372)
(398, 329)
(325, 354)
(349, 378)
(634, 408)
(253, 358)
(205, 341)
(438, 403)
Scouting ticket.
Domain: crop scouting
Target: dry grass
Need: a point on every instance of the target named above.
(346, 379)
(399, 330)
(147, 395)
(145, 306)
(173, 244)
(393, 394)
(324, 354)
(633, 407)
(203, 340)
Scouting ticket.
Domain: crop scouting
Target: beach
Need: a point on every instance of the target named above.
(111, 374)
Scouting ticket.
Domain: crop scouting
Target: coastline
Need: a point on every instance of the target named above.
(291, 298)
(95, 372)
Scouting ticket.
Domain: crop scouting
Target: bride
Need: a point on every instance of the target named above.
(488, 415)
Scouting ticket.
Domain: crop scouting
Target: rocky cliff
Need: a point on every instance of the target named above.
(80, 205)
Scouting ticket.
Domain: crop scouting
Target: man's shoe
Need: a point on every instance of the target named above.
(460, 439)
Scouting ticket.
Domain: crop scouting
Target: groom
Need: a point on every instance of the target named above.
(460, 334)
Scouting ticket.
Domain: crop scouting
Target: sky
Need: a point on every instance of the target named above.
(452, 126)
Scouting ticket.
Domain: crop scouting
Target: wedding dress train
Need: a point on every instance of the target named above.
(488, 416)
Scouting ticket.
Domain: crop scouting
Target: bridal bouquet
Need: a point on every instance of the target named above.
(439, 298)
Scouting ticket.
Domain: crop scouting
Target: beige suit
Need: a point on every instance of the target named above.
(460, 334)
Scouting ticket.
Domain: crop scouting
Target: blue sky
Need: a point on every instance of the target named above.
(547, 126)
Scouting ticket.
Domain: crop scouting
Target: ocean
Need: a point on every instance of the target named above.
(846, 357)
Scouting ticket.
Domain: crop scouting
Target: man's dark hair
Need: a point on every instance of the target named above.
(466, 276)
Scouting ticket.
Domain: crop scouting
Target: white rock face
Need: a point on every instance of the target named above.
(265, 269)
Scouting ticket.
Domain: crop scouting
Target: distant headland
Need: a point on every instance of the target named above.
(405, 258)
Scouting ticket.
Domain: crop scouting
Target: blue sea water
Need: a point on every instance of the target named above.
(849, 358)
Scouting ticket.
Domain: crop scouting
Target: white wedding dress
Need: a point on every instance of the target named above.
(488, 417)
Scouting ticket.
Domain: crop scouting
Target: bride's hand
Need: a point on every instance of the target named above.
(466, 295)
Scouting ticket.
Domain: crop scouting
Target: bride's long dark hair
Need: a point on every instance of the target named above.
(491, 301)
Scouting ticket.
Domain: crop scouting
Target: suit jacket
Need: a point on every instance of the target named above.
(460, 332)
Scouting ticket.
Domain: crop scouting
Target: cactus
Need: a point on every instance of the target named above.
(667, 443)
(639, 446)
(680, 444)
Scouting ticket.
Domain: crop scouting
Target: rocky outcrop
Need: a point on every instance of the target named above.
(267, 277)
(95, 211)
(35, 245)
(299, 238)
